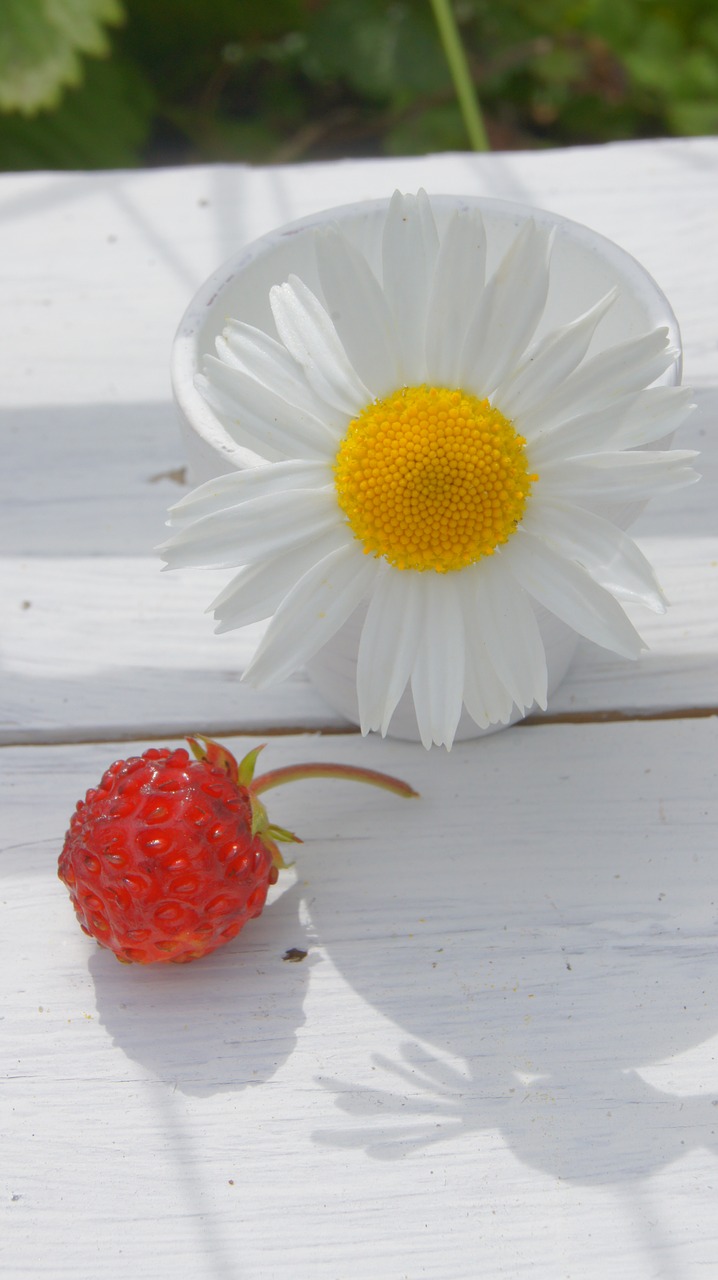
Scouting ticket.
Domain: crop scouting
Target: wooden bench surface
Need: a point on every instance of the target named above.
(498, 1058)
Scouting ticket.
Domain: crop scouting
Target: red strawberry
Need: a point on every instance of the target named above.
(168, 857)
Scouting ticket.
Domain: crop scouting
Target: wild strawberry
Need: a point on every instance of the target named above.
(168, 857)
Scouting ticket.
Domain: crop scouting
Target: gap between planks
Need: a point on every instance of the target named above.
(126, 734)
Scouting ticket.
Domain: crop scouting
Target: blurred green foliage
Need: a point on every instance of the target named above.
(40, 46)
(224, 80)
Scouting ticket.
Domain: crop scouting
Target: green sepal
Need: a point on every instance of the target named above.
(281, 833)
(247, 765)
(260, 821)
(214, 753)
(278, 860)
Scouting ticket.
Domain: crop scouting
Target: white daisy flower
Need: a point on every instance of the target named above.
(430, 461)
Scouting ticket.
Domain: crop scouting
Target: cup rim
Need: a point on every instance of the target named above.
(185, 355)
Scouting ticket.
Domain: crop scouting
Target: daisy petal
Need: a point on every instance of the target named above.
(620, 477)
(257, 590)
(502, 615)
(586, 433)
(409, 250)
(437, 677)
(320, 603)
(485, 697)
(568, 591)
(310, 337)
(387, 647)
(652, 415)
(610, 556)
(458, 283)
(402, 315)
(260, 418)
(628, 366)
(549, 362)
(263, 358)
(254, 530)
(251, 482)
(359, 311)
(507, 313)
(639, 418)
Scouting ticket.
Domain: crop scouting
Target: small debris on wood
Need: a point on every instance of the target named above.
(177, 476)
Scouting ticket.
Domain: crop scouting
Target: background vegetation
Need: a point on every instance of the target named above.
(108, 83)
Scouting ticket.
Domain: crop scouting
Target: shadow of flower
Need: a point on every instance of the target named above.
(550, 979)
(569, 1128)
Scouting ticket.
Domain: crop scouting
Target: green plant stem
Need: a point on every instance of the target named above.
(460, 74)
(297, 772)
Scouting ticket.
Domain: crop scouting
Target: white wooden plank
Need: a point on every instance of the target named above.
(99, 267)
(501, 1046)
(98, 270)
(97, 642)
(498, 1058)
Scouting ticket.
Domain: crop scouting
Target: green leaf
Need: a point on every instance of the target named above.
(190, 50)
(220, 140)
(560, 66)
(354, 41)
(102, 125)
(435, 129)
(420, 62)
(40, 46)
(692, 119)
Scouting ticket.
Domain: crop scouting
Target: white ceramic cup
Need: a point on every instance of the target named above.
(584, 266)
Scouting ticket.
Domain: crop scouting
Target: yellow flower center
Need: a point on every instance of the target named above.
(431, 478)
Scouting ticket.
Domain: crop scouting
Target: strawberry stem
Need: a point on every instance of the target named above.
(298, 772)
